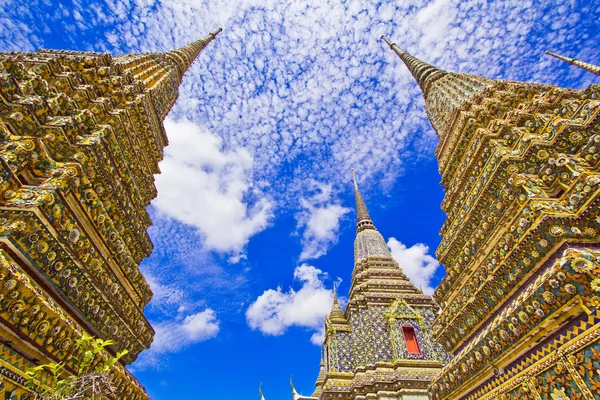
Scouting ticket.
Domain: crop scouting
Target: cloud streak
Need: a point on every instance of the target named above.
(319, 220)
(209, 188)
(417, 264)
(274, 311)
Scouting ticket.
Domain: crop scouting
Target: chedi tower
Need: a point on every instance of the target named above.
(81, 136)
(520, 164)
(380, 346)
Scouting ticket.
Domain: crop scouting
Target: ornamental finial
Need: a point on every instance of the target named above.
(335, 285)
(387, 41)
(363, 220)
(262, 397)
(594, 69)
(293, 388)
(425, 74)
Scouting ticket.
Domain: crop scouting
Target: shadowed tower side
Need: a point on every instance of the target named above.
(521, 240)
(81, 137)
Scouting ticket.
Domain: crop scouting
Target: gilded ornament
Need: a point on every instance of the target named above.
(10, 284)
(582, 264)
(539, 312)
(42, 327)
(17, 116)
(556, 230)
(503, 335)
(16, 307)
(42, 247)
(523, 317)
(550, 298)
(74, 235)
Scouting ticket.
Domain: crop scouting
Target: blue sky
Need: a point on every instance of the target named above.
(254, 220)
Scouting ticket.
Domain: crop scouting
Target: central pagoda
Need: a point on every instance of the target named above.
(380, 347)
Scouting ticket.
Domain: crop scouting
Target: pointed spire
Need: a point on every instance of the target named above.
(262, 397)
(321, 377)
(294, 393)
(594, 69)
(322, 356)
(336, 315)
(185, 56)
(363, 220)
(425, 74)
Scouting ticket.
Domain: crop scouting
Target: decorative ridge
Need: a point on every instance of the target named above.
(425, 74)
(594, 69)
(363, 219)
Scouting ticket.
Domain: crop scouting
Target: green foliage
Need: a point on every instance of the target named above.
(91, 381)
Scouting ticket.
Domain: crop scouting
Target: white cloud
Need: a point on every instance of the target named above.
(274, 311)
(415, 262)
(208, 187)
(164, 294)
(320, 221)
(173, 336)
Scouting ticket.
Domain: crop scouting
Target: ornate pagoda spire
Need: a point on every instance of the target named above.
(336, 316)
(425, 74)
(185, 56)
(444, 92)
(161, 73)
(363, 219)
(594, 69)
(262, 397)
(321, 378)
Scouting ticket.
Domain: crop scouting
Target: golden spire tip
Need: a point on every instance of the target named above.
(387, 41)
(335, 285)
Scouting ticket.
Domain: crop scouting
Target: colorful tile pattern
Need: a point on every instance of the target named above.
(81, 136)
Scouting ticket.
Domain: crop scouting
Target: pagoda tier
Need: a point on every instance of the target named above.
(81, 136)
(520, 244)
(381, 346)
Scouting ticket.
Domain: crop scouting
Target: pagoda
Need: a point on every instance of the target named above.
(520, 165)
(81, 137)
(380, 346)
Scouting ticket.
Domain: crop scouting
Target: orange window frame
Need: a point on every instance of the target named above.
(410, 339)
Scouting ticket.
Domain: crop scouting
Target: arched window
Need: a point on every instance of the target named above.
(410, 338)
